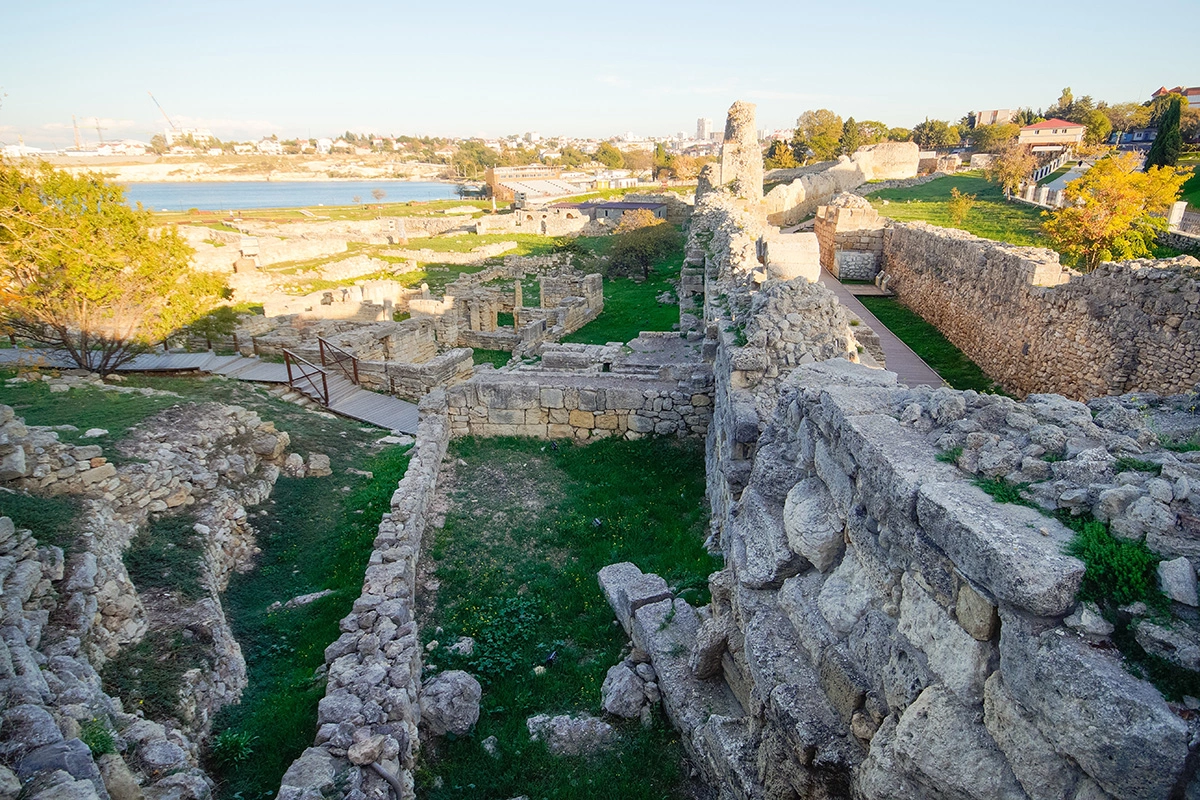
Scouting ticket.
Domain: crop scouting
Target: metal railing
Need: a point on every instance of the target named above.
(334, 356)
(306, 378)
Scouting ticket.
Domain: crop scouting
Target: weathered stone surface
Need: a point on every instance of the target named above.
(450, 703)
(1178, 580)
(758, 536)
(318, 465)
(1116, 727)
(627, 590)
(1042, 773)
(118, 778)
(25, 728)
(976, 614)
(937, 737)
(961, 662)
(565, 735)
(1002, 546)
(623, 693)
(813, 526)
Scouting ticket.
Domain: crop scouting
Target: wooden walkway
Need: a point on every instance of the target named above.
(345, 398)
(900, 358)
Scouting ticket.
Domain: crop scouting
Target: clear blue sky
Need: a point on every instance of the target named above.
(298, 68)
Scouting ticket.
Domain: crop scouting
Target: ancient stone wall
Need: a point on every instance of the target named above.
(370, 712)
(789, 203)
(741, 155)
(850, 233)
(551, 405)
(1035, 326)
(64, 617)
(881, 621)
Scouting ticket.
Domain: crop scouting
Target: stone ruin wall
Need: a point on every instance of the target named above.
(371, 711)
(1036, 326)
(881, 623)
(65, 617)
(850, 235)
(555, 405)
(789, 203)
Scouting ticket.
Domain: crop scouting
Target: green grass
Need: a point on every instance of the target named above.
(517, 562)
(167, 554)
(528, 244)
(630, 307)
(313, 539)
(1191, 188)
(52, 520)
(497, 357)
(147, 676)
(370, 210)
(928, 342)
(993, 217)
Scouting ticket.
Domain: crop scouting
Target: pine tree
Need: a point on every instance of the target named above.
(1169, 142)
(851, 137)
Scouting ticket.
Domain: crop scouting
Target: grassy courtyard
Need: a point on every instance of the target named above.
(992, 217)
(528, 526)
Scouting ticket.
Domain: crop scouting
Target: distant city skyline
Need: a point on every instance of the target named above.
(301, 69)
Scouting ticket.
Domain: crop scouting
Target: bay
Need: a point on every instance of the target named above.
(235, 195)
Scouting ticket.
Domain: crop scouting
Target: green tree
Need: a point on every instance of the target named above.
(873, 131)
(780, 156)
(1098, 126)
(817, 133)
(472, 158)
(609, 156)
(934, 133)
(1114, 210)
(1169, 141)
(960, 205)
(222, 321)
(1126, 116)
(90, 275)
(663, 163)
(990, 138)
(899, 135)
(851, 138)
(1027, 116)
(638, 251)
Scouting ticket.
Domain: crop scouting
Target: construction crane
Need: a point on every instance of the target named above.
(98, 129)
(78, 141)
(174, 127)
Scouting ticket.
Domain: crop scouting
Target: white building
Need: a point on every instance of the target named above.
(704, 129)
(270, 147)
(324, 146)
(176, 136)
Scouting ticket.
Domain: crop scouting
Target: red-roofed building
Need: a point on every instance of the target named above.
(1052, 131)
(1192, 93)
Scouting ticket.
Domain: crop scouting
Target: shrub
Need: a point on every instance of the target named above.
(1119, 572)
(99, 739)
(232, 748)
(960, 205)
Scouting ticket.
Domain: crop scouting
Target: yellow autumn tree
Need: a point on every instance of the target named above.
(1114, 211)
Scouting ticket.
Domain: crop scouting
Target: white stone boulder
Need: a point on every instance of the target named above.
(450, 703)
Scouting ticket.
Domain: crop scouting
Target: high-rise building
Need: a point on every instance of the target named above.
(704, 129)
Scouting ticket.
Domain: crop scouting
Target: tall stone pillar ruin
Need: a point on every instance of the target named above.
(741, 156)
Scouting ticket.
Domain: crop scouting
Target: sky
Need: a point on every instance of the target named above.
(248, 69)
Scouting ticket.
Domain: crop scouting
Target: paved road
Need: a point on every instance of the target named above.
(1062, 180)
(901, 360)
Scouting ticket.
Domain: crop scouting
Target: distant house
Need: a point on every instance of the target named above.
(324, 146)
(1192, 93)
(1052, 132)
(244, 149)
(616, 209)
(270, 147)
(994, 116)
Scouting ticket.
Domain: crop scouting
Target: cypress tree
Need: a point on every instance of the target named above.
(1169, 142)
(851, 140)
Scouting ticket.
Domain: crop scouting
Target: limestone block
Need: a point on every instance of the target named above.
(811, 522)
(759, 545)
(627, 399)
(606, 421)
(953, 655)
(846, 594)
(1178, 580)
(896, 665)
(582, 419)
(551, 398)
(558, 416)
(1090, 708)
(450, 703)
(623, 693)
(557, 431)
(506, 416)
(627, 589)
(937, 735)
(976, 614)
(1043, 774)
(1013, 551)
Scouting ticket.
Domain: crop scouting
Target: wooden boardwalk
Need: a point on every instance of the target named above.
(345, 398)
(907, 365)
